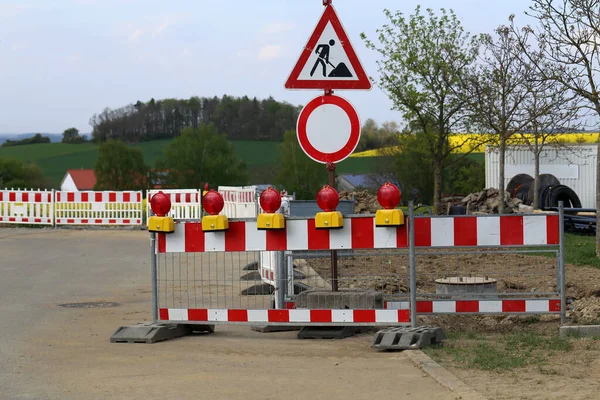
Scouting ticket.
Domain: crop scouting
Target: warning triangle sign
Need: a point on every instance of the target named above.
(328, 61)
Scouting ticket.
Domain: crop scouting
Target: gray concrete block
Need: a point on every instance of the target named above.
(326, 332)
(342, 299)
(149, 333)
(251, 276)
(580, 330)
(274, 328)
(406, 338)
(258, 290)
(253, 266)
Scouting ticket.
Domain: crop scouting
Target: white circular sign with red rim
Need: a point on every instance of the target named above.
(328, 129)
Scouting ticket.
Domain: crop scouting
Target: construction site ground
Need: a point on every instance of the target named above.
(53, 352)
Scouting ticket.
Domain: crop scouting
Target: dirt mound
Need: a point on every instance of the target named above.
(365, 202)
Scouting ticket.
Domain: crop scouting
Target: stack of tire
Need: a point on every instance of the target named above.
(550, 191)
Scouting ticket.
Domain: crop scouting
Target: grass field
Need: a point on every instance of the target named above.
(56, 158)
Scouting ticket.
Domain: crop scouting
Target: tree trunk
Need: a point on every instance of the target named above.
(437, 187)
(536, 183)
(598, 200)
(501, 177)
(536, 174)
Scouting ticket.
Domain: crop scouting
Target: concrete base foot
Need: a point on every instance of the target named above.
(326, 332)
(152, 333)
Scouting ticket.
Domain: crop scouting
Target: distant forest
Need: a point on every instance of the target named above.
(239, 118)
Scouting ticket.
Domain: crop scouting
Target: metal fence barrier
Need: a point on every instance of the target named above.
(98, 208)
(386, 275)
(26, 207)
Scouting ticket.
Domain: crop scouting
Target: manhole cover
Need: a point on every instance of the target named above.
(90, 304)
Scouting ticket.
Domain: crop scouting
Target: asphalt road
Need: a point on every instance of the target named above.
(52, 352)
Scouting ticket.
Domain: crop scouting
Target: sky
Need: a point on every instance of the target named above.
(62, 61)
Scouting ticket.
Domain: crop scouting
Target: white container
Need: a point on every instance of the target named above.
(574, 165)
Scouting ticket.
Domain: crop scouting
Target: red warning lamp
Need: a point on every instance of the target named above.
(213, 204)
(270, 202)
(160, 204)
(388, 196)
(328, 199)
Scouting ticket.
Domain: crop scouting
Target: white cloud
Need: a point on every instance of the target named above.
(277, 27)
(135, 35)
(270, 52)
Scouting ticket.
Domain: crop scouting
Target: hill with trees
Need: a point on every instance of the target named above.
(240, 118)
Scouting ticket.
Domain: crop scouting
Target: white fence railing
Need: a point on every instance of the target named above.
(98, 208)
(26, 207)
(185, 203)
(36, 207)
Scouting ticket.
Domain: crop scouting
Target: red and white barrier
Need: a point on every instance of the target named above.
(240, 201)
(26, 207)
(304, 316)
(503, 306)
(185, 203)
(98, 208)
(361, 233)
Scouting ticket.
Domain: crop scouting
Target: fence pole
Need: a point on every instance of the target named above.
(411, 260)
(154, 278)
(281, 282)
(561, 236)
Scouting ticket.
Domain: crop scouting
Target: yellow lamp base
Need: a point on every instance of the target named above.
(329, 220)
(213, 223)
(389, 218)
(161, 224)
(270, 221)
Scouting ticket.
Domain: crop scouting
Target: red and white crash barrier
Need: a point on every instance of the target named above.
(504, 306)
(185, 203)
(26, 207)
(240, 201)
(361, 233)
(304, 316)
(98, 208)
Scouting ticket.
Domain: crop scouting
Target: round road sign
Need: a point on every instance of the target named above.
(328, 129)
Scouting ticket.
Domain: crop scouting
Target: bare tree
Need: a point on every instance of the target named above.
(499, 86)
(568, 36)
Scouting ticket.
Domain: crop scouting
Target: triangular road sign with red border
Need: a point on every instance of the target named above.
(328, 61)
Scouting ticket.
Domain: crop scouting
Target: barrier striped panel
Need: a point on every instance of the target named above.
(99, 208)
(284, 316)
(26, 207)
(501, 306)
(361, 233)
(185, 203)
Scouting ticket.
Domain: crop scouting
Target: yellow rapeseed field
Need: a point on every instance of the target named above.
(473, 142)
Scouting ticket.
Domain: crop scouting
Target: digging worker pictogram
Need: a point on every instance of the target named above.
(323, 51)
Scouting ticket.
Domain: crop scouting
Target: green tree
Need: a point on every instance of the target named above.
(203, 155)
(425, 60)
(120, 167)
(19, 175)
(413, 169)
(72, 136)
(297, 172)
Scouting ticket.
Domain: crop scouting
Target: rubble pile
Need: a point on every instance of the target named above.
(364, 202)
(585, 311)
(486, 202)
